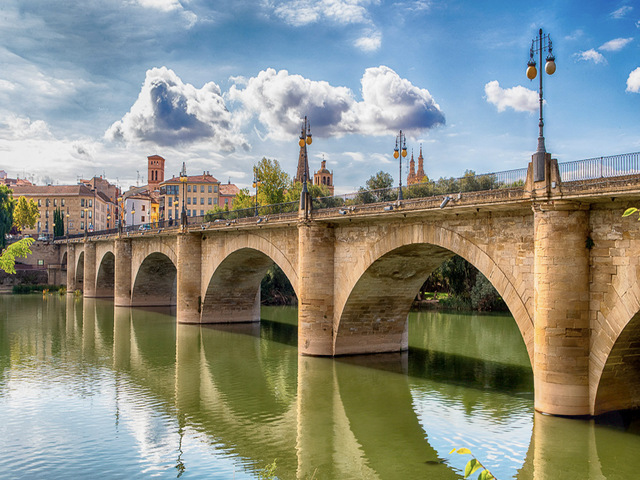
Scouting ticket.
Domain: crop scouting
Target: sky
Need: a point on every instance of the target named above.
(93, 87)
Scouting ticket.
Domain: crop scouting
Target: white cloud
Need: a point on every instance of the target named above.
(370, 42)
(590, 55)
(633, 82)
(621, 12)
(170, 6)
(281, 100)
(519, 98)
(170, 112)
(19, 127)
(304, 12)
(615, 44)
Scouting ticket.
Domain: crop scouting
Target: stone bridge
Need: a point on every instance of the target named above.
(560, 255)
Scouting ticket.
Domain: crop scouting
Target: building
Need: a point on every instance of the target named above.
(138, 209)
(83, 208)
(197, 194)
(228, 192)
(419, 176)
(155, 166)
(324, 177)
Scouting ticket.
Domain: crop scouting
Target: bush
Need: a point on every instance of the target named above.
(36, 288)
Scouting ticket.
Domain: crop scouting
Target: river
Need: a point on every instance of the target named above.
(92, 391)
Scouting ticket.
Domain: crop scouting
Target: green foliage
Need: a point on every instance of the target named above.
(473, 465)
(243, 200)
(316, 191)
(630, 211)
(7, 205)
(58, 223)
(273, 182)
(38, 288)
(19, 249)
(268, 472)
(25, 213)
(275, 288)
(379, 181)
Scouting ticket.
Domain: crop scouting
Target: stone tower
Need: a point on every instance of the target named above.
(420, 175)
(324, 177)
(156, 171)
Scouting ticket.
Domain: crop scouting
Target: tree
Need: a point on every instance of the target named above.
(243, 200)
(379, 181)
(19, 249)
(273, 182)
(58, 223)
(25, 214)
(7, 204)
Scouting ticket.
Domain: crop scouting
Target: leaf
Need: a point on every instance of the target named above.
(452, 451)
(485, 475)
(463, 451)
(472, 466)
(629, 211)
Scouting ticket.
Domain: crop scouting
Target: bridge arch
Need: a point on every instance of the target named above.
(155, 281)
(233, 291)
(387, 275)
(615, 352)
(105, 277)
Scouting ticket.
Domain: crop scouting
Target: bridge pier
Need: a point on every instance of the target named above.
(89, 269)
(122, 288)
(189, 301)
(71, 268)
(315, 301)
(561, 301)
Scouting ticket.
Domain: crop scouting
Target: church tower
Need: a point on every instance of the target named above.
(324, 177)
(155, 171)
(420, 175)
(411, 178)
(302, 172)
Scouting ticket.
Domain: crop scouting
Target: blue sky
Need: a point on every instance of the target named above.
(93, 87)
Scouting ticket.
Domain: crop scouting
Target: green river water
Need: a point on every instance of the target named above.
(92, 391)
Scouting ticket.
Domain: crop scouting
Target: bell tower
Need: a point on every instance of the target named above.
(156, 171)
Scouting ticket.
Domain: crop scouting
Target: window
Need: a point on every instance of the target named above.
(171, 201)
(90, 212)
(143, 205)
(226, 201)
(215, 201)
(81, 213)
(46, 214)
(188, 200)
(201, 188)
(62, 202)
(215, 188)
(81, 202)
(39, 224)
(195, 201)
(39, 202)
(188, 188)
(201, 212)
(210, 189)
(142, 219)
(90, 203)
(55, 202)
(209, 200)
(47, 202)
(81, 225)
(201, 200)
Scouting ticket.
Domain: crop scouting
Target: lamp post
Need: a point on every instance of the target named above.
(85, 221)
(305, 139)
(539, 45)
(67, 225)
(256, 184)
(183, 180)
(401, 143)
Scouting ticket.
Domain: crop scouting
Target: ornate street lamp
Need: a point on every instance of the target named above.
(183, 180)
(305, 139)
(401, 142)
(539, 45)
(256, 184)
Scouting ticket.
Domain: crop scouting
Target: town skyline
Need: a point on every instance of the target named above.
(222, 86)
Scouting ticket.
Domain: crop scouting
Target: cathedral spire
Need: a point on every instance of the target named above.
(302, 173)
(420, 173)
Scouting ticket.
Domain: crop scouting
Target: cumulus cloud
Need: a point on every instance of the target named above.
(615, 44)
(20, 127)
(170, 112)
(590, 55)
(281, 100)
(370, 42)
(621, 12)
(519, 98)
(633, 82)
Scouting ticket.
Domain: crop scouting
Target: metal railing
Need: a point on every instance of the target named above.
(600, 167)
(589, 169)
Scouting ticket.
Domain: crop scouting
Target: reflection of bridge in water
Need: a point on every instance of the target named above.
(558, 253)
(312, 414)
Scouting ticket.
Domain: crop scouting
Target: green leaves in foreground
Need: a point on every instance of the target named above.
(630, 211)
(19, 249)
(473, 465)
